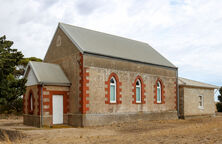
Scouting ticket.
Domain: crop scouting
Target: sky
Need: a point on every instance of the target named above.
(187, 32)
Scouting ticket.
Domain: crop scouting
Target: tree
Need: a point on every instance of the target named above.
(219, 104)
(12, 84)
(20, 69)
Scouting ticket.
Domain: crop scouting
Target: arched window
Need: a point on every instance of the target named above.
(112, 90)
(159, 94)
(30, 102)
(138, 91)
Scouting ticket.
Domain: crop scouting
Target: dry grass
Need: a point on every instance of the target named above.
(6, 137)
(192, 131)
(10, 136)
(10, 116)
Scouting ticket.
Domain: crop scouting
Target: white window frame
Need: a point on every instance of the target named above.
(113, 84)
(138, 86)
(159, 87)
(201, 100)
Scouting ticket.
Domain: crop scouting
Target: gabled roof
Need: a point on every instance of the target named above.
(47, 73)
(93, 42)
(188, 82)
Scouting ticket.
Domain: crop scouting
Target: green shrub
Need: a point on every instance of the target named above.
(14, 107)
(219, 106)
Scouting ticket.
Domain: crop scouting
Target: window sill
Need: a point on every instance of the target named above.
(138, 102)
(112, 102)
(202, 108)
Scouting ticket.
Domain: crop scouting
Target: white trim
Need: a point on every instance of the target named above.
(158, 87)
(115, 89)
(139, 86)
(30, 64)
(31, 78)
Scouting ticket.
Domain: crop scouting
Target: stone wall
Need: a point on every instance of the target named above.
(34, 118)
(181, 102)
(89, 74)
(31, 118)
(191, 101)
(99, 70)
(63, 52)
(107, 119)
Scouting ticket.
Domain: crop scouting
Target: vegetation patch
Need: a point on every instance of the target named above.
(10, 135)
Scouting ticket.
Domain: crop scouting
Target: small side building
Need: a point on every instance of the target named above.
(196, 98)
(48, 82)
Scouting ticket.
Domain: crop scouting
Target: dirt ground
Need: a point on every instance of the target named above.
(199, 130)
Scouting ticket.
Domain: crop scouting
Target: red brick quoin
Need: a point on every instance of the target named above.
(84, 88)
(51, 93)
(39, 99)
(49, 103)
(24, 106)
(118, 89)
(142, 91)
(162, 92)
(175, 87)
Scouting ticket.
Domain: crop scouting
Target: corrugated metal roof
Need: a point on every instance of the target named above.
(114, 46)
(188, 82)
(47, 73)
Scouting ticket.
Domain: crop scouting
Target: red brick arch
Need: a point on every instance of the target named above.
(118, 89)
(162, 92)
(142, 91)
(29, 102)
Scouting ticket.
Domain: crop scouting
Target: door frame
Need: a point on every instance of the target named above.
(61, 107)
(65, 102)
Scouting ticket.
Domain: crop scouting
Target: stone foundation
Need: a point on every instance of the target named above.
(34, 120)
(31, 120)
(107, 119)
(197, 116)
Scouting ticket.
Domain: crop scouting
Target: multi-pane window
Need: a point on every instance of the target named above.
(158, 92)
(138, 91)
(112, 90)
(200, 101)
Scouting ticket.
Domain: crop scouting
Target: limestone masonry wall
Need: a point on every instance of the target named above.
(99, 70)
(63, 52)
(191, 101)
(33, 118)
(89, 80)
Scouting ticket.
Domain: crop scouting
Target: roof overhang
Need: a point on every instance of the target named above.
(193, 86)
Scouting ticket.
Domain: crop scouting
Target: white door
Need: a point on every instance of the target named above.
(57, 109)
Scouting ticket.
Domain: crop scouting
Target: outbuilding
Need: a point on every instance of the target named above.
(196, 98)
(46, 99)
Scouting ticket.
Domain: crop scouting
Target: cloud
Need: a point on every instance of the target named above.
(186, 32)
(86, 7)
